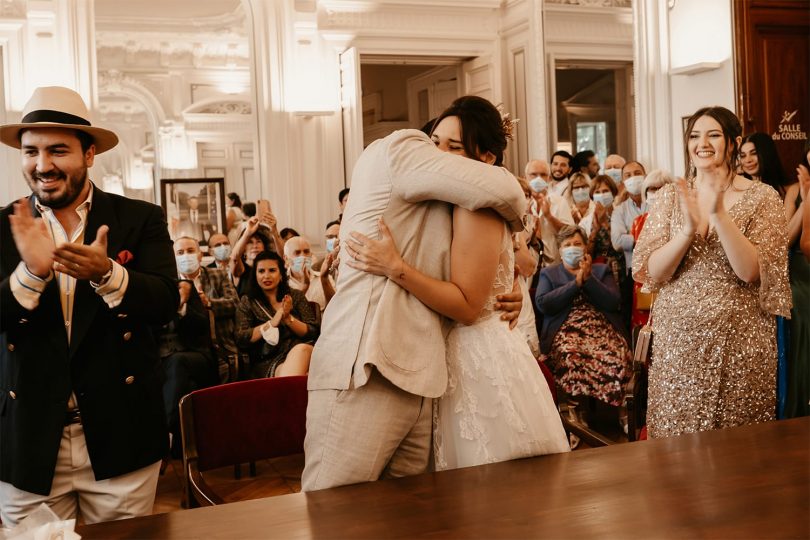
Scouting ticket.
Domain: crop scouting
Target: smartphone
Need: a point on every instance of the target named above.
(262, 207)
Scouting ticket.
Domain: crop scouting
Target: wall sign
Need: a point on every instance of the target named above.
(788, 130)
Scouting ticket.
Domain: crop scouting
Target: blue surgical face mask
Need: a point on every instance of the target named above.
(188, 263)
(615, 174)
(330, 244)
(633, 184)
(581, 194)
(299, 262)
(571, 255)
(605, 198)
(538, 185)
(222, 252)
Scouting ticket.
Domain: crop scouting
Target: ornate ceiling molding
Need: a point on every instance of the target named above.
(13, 9)
(234, 21)
(594, 3)
(160, 49)
(436, 19)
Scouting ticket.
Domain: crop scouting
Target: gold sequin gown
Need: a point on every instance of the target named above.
(714, 336)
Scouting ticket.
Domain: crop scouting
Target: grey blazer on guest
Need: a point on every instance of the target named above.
(372, 321)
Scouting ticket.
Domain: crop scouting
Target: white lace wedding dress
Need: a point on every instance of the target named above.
(497, 405)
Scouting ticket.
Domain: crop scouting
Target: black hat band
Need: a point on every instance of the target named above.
(56, 117)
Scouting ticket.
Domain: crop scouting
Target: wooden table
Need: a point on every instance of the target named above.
(750, 482)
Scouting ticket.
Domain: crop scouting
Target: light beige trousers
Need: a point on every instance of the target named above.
(75, 488)
(362, 434)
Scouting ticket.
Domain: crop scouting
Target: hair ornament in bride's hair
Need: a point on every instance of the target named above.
(508, 124)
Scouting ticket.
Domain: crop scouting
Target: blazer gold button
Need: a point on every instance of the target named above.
(12, 395)
(129, 380)
(11, 347)
(127, 336)
(23, 321)
(122, 315)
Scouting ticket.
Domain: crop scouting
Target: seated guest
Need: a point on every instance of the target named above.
(275, 324)
(579, 196)
(253, 241)
(597, 227)
(287, 233)
(301, 276)
(216, 293)
(220, 247)
(583, 339)
(187, 360)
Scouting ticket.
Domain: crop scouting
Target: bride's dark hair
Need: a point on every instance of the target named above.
(482, 127)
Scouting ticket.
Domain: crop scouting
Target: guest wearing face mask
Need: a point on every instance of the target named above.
(220, 247)
(301, 276)
(579, 197)
(642, 302)
(597, 227)
(551, 210)
(613, 168)
(329, 266)
(186, 357)
(216, 292)
(584, 340)
(621, 221)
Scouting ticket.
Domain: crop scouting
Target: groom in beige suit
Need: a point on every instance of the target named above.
(380, 358)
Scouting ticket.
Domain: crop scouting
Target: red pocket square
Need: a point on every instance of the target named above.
(124, 257)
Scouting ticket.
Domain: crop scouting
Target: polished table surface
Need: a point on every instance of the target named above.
(749, 482)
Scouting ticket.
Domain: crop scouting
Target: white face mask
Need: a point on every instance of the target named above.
(633, 184)
(188, 263)
(581, 194)
(615, 174)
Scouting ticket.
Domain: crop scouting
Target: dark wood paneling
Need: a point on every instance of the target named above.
(772, 46)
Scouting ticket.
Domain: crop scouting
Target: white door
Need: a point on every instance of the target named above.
(351, 107)
(479, 78)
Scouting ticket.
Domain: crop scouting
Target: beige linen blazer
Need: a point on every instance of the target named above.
(372, 321)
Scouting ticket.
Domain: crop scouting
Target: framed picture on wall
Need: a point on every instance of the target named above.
(194, 207)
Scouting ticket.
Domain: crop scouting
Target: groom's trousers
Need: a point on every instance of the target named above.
(363, 434)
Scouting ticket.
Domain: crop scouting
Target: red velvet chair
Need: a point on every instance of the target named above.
(239, 423)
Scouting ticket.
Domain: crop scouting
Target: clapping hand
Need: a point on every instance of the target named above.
(711, 193)
(584, 271)
(32, 240)
(599, 212)
(286, 308)
(378, 257)
(252, 226)
(803, 176)
(689, 207)
(81, 261)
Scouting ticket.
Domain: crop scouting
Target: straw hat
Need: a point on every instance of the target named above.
(57, 107)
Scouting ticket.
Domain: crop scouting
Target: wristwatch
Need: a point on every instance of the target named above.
(105, 278)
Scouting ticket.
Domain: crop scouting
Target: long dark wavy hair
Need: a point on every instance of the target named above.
(255, 291)
(771, 171)
(732, 129)
(482, 127)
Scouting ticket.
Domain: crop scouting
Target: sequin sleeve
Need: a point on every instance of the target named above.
(767, 231)
(657, 231)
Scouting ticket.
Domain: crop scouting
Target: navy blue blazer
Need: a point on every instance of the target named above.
(556, 290)
(111, 362)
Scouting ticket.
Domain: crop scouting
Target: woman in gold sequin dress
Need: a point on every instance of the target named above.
(715, 248)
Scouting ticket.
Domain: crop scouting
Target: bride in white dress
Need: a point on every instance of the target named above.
(497, 405)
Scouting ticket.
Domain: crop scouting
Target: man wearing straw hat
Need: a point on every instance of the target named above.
(85, 275)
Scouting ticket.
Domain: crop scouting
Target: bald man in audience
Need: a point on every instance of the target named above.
(613, 168)
(551, 208)
(216, 292)
(300, 274)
